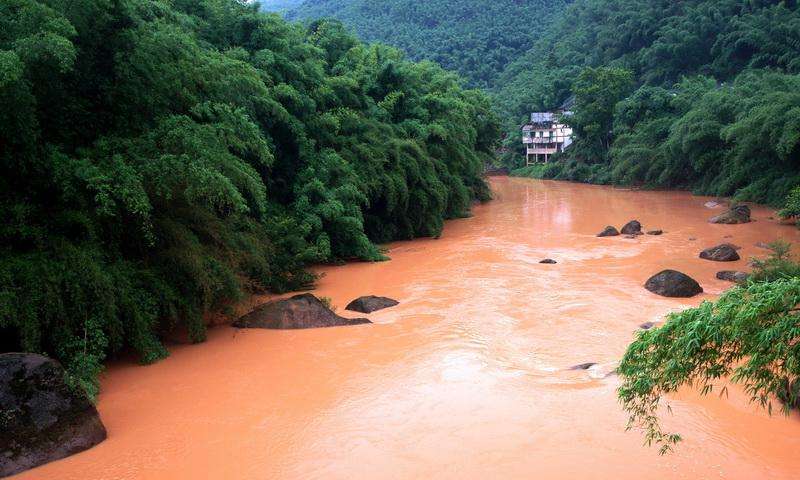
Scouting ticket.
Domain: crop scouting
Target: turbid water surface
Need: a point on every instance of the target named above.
(467, 378)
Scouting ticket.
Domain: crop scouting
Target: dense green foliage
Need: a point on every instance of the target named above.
(748, 336)
(716, 106)
(159, 158)
(476, 38)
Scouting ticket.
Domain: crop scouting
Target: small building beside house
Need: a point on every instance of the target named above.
(545, 135)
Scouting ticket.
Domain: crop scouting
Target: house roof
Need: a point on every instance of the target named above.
(542, 117)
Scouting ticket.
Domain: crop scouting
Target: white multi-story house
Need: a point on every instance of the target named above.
(546, 135)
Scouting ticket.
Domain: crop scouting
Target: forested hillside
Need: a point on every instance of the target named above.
(161, 158)
(697, 94)
(476, 38)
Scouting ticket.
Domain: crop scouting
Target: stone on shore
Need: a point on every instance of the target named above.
(42, 419)
(671, 283)
(370, 303)
(300, 311)
(737, 214)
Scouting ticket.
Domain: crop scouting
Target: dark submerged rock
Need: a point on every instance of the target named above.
(631, 237)
(609, 231)
(370, 303)
(733, 276)
(647, 325)
(671, 283)
(548, 261)
(42, 419)
(632, 228)
(721, 253)
(737, 214)
(299, 311)
(583, 366)
(655, 232)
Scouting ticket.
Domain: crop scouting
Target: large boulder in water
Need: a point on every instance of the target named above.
(41, 418)
(632, 228)
(370, 303)
(609, 231)
(721, 253)
(737, 214)
(300, 311)
(671, 283)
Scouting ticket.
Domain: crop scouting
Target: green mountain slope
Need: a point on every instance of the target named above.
(698, 94)
(476, 38)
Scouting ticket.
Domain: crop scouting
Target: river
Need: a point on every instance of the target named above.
(468, 377)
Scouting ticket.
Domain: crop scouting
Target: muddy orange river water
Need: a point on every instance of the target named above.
(467, 378)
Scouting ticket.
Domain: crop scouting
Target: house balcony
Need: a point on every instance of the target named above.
(541, 151)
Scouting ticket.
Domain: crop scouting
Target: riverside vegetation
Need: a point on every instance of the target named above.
(748, 336)
(160, 159)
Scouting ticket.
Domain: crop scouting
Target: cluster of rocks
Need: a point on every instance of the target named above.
(631, 229)
(307, 311)
(671, 283)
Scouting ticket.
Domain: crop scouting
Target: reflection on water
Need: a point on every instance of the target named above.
(469, 376)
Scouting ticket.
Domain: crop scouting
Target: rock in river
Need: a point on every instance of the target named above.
(733, 276)
(548, 261)
(737, 214)
(370, 303)
(721, 253)
(655, 232)
(299, 311)
(609, 231)
(632, 228)
(671, 283)
(41, 418)
(583, 366)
